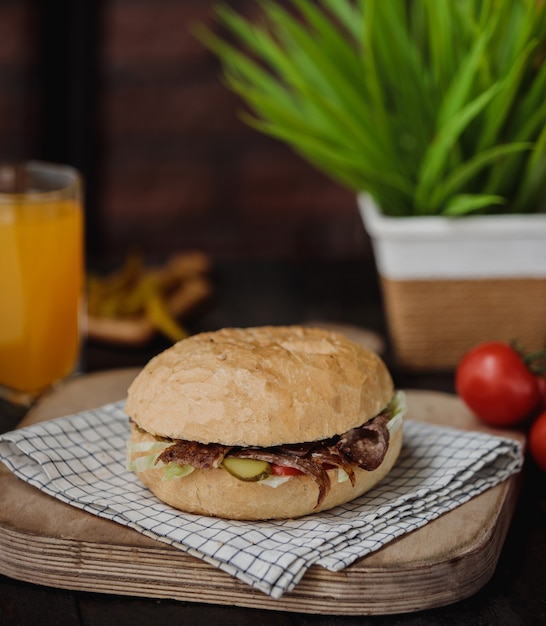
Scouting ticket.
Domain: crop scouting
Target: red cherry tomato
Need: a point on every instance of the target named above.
(284, 470)
(541, 380)
(537, 441)
(494, 382)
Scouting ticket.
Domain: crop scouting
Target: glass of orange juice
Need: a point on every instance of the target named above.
(41, 276)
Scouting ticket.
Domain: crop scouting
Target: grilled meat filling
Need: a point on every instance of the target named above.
(364, 447)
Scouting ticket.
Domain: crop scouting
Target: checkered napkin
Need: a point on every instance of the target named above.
(80, 460)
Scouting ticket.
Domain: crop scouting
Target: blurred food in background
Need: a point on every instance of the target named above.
(134, 302)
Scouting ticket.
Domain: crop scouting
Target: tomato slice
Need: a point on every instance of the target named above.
(284, 470)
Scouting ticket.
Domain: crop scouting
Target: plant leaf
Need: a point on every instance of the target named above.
(317, 150)
(457, 179)
(424, 104)
(460, 89)
(532, 196)
(504, 99)
(347, 14)
(463, 204)
(434, 161)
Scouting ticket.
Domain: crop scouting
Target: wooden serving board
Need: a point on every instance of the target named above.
(47, 542)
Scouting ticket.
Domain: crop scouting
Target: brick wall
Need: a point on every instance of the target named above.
(179, 169)
(18, 90)
(168, 162)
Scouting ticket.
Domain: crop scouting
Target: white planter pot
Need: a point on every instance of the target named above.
(449, 283)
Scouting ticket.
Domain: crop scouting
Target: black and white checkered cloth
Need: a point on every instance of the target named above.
(80, 460)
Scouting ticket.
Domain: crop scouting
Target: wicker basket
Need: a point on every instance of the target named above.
(449, 284)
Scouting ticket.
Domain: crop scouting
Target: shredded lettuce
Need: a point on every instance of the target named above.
(274, 481)
(142, 463)
(174, 470)
(145, 461)
(398, 408)
(398, 404)
(149, 461)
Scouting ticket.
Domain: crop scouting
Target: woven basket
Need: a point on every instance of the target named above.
(432, 323)
(450, 284)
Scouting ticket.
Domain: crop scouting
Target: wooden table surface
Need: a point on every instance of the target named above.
(267, 292)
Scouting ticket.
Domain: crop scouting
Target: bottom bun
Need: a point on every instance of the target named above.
(217, 493)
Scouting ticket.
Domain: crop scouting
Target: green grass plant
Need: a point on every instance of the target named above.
(433, 107)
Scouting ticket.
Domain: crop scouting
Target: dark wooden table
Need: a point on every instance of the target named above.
(267, 292)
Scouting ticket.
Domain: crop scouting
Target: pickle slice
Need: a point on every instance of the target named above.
(249, 470)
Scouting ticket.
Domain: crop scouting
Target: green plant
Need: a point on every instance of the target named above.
(431, 106)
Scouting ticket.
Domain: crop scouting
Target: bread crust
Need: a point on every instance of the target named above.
(261, 386)
(217, 493)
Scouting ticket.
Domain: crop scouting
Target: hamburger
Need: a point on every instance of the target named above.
(263, 423)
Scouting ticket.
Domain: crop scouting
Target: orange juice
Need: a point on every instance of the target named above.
(41, 275)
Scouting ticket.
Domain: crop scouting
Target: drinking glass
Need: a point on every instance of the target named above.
(41, 276)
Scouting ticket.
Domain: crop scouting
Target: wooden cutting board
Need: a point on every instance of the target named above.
(50, 543)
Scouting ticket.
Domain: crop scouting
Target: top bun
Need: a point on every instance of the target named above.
(261, 386)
